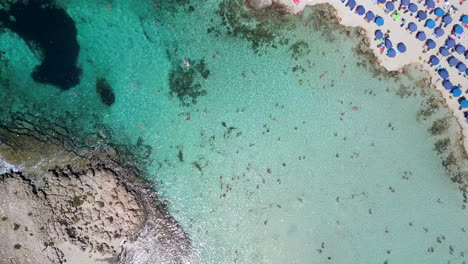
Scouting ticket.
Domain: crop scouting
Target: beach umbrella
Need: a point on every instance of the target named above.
(379, 21)
(380, 1)
(412, 8)
(439, 32)
(456, 92)
(447, 19)
(412, 27)
(447, 84)
(461, 67)
(434, 60)
(458, 29)
(452, 61)
(443, 73)
(401, 47)
(450, 43)
(389, 6)
(430, 44)
(430, 3)
(439, 12)
(388, 43)
(391, 53)
(370, 16)
(421, 36)
(464, 104)
(360, 10)
(466, 54)
(421, 15)
(405, 2)
(444, 51)
(430, 23)
(351, 4)
(464, 19)
(378, 34)
(460, 49)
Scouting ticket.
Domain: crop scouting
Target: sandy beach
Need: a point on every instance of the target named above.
(415, 47)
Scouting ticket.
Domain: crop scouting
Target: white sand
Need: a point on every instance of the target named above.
(400, 34)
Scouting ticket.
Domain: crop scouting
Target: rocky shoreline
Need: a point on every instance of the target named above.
(60, 207)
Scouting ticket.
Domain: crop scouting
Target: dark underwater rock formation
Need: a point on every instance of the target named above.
(50, 32)
(105, 91)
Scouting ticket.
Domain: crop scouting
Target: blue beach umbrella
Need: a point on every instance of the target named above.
(412, 27)
(379, 21)
(456, 92)
(430, 23)
(380, 1)
(430, 4)
(434, 60)
(447, 19)
(378, 34)
(405, 2)
(351, 4)
(450, 43)
(452, 61)
(412, 8)
(360, 10)
(466, 54)
(421, 36)
(443, 73)
(370, 16)
(439, 12)
(460, 49)
(444, 51)
(464, 104)
(391, 53)
(447, 84)
(464, 19)
(458, 29)
(388, 43)
(401, 47)
(439, 32)
(389, 6)
(430, 44)
(461, 67)
(421, 15)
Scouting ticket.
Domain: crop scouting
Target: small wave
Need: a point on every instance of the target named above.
(6, 167)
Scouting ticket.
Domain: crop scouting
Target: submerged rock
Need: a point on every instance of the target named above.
(105, 91)
(36, 22)
(259, 4)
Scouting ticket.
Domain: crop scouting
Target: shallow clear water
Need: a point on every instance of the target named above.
(273, 166)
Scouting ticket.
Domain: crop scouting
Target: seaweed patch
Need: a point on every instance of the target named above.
(185, 82)
(300, 49)
(260, 28)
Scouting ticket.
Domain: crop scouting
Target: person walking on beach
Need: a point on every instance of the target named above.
(403, 22)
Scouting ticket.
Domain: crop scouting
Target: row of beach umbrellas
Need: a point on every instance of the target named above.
(429, 43)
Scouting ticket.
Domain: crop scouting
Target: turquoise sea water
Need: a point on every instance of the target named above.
(273, 165)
